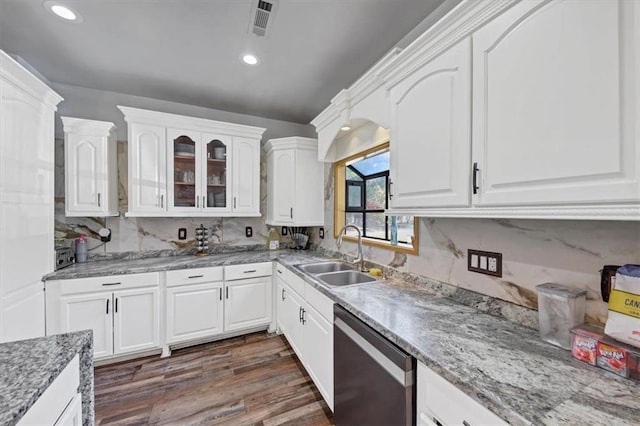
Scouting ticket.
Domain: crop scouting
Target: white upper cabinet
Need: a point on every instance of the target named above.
(91, 175)
(246, 176)
(147, 169)
(185, 166)
(555, 112)
(431, 131)
(295, 180)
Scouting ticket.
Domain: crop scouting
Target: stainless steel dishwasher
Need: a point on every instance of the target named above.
(373, 378)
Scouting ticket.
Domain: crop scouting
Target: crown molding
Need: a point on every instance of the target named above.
(165, 119)
(15, 73)
(295, 142)
(88, 127)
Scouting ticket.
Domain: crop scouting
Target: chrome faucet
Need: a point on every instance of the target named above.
(360, 258)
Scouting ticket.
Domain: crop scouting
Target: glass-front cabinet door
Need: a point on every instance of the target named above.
(183, 170)
(216, 154)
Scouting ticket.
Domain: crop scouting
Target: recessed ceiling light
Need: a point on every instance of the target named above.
(62, 11)
(345, 128)
(250, 59)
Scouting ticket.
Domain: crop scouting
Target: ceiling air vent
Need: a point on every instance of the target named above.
(262, 14)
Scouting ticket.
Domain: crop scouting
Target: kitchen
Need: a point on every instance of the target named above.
(538, 191)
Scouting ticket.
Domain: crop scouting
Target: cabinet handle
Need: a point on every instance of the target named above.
(195, 276)
(197, 202)
(300, 314)
(204, 201)
(279, 271)
(304, 311)
(250, 272)
(220, 293)
(227, 292)
(291, 213)
(475, 178)
(116, 307)
(107, 306)
(390, 191)
(234, 202)
(162, 201)
(98, 199)
(108, 284)
(283, 294)
(465, 423)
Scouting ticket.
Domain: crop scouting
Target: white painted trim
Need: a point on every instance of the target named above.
(165, 119)
(88, 127)
(192, 214)
(17, 74)
(295, 142)
(609, 212)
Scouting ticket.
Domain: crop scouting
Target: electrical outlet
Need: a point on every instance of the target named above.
(284, 231)
(321, 233)
(484, 262)
(248, 232)
(182, 233)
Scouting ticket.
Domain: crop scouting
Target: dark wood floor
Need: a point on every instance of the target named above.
(249, 380)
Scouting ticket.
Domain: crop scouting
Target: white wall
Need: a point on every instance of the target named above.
(101, 105)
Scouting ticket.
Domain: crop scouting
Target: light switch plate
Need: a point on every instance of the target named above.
(485, 262)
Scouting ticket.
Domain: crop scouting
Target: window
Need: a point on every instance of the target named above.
(361, 184)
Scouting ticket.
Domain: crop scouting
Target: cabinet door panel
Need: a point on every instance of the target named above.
(136, 320)
(215, 176)
(194, 311)
(147, 168)
(293, 305)
(318, 352)
(284, 185)
(430, 138)
(282, 314)
(246, 175)
(184, 170)
(553, 103)
(85, 173)
(248, 303)
(90, 311)
(309, 189)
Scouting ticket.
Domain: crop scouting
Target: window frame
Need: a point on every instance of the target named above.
(340, 205)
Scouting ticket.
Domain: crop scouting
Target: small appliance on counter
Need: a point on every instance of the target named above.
(64, 257)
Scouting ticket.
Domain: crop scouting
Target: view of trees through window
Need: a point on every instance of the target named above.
(367, 183)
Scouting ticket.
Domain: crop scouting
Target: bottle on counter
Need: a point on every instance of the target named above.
(273, 239)
(81, 249)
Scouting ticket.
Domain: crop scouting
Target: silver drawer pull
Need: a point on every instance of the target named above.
(279, 271)
(107, 284)
(196, 276)
(250, 272)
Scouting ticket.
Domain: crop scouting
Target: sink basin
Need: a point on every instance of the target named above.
(344, 278)
(324, 267)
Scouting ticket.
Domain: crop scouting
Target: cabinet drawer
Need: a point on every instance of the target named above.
(250, 270)
(281, 271)
(195, 276)
(108, 282)
(296, 283)
(319, 302)
(438, 398)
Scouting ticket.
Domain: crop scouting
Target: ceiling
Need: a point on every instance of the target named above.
(189, 51)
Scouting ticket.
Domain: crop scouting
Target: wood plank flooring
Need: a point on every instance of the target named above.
(249, 380)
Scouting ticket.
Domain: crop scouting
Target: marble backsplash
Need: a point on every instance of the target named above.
(131, 234)
(534, 252)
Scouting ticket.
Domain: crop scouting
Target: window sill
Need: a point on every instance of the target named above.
(386, 245)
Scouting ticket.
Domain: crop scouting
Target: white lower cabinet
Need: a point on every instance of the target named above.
(89, 311)
(306, 320)
(72, 415)
(438, 402)
(194, 311)
(248, 303)
(123, 321)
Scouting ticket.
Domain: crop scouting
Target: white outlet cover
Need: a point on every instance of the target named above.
(493, 264)
(474, 260)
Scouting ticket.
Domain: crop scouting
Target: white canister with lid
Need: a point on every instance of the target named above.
(81, 249)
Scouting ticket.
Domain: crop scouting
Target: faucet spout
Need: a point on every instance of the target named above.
(360, 258)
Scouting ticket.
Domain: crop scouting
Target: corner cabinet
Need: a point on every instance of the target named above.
(91, 174)
(185, 166)
(295, 180)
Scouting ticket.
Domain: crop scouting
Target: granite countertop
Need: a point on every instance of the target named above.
(28, 367)
(502, 365)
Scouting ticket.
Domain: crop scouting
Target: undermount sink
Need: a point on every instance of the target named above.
(324, 267)
(344, 278)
